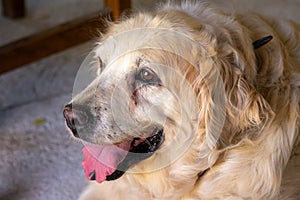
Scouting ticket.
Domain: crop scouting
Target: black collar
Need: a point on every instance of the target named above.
(200, 174)
(261, 42)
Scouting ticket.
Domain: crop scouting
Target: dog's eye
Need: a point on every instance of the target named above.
(147, 76)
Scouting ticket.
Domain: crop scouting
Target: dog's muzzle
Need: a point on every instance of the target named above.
(109, 162)
(76, 117)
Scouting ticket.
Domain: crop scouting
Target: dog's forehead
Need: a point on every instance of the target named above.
(121, 65)
(118, 55)
(116, 45)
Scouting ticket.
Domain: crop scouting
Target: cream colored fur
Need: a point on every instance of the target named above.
(259, 134)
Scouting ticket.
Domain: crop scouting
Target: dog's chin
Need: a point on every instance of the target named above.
(110, 162)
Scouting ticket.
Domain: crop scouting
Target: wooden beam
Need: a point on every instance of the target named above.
(117, 7)
(47, 42)
(13, 8)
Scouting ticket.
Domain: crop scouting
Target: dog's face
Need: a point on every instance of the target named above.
(140, 98)
(122, 102)
(132, 96)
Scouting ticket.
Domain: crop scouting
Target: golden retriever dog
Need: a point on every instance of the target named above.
(191, 103)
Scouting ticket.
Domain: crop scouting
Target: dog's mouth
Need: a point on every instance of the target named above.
(111, 162)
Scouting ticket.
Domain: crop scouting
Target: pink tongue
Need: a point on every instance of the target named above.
(104, 160)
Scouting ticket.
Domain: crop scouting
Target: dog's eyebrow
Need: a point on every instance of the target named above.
(138, 61)
(141, 60)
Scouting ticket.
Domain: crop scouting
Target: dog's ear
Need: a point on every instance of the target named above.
(232, 107)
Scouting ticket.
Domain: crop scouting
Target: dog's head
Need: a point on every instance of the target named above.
(168, 86)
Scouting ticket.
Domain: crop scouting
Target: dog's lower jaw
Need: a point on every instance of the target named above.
(174, 182)
(158, 186)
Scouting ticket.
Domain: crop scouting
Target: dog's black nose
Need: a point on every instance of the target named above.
(75, 118)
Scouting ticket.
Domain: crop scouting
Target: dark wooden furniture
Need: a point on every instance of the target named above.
(13, 8)
(59, 38)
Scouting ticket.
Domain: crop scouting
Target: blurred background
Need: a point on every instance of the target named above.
(41, 50)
